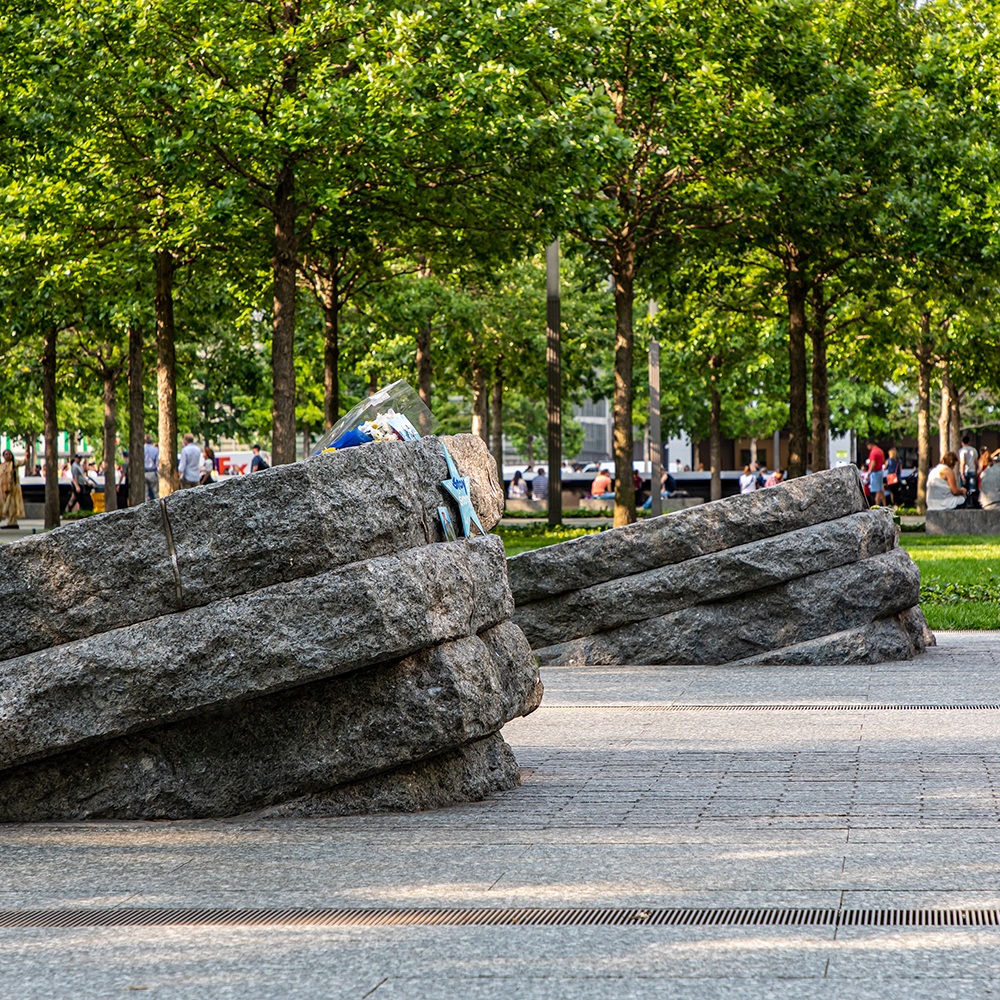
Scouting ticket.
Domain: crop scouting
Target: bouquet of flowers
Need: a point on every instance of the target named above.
(395, 413)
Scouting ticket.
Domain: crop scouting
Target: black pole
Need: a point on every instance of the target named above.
(553, 363)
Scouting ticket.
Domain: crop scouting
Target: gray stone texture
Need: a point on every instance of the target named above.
(468, 774)
(288, 523)
(989, 488)
(299, 742)
(877, 642)
(242, 647)
(963, 522)
(707, 578)
(809, 607)
(686, 534)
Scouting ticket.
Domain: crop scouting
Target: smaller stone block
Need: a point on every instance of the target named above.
(963, 522)
(468, 774)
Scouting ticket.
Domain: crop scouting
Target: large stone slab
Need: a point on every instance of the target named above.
(242, 647)
(806, 608)
(686, 534)
(989, 488)
(963, 522)
(707, 578)
(298, 742)
(197, 546)
(468, 774)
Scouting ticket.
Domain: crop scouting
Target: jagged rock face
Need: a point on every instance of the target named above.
(289, 522)
(799, 570)
(302, 741)
(294, 633)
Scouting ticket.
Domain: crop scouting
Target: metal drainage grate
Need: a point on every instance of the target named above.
(458, 917)
(862, 707)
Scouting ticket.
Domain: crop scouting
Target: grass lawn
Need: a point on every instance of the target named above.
(959, 579)
(959, 574)
(525, 537)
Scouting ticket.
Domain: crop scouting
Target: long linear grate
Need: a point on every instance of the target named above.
(513, 917)
(860, 707)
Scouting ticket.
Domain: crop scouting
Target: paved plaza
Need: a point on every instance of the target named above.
(678, 806)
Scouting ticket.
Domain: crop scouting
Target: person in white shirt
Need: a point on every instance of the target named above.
(188, 463)
(748, 481)
(968, 462)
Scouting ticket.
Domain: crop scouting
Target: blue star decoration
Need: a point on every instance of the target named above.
(458, 487)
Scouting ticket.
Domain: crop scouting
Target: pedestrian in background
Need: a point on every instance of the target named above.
(892, 470)
(188, 463)
(967, 462)
(11, 500)
(257, 463)
(876, 473)
(207, 466)
(540, 486)
(150, 465)
(748, 481)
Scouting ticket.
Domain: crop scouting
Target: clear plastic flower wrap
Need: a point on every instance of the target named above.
(395, 413)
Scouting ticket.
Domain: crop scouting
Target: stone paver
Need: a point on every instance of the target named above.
(652, 787)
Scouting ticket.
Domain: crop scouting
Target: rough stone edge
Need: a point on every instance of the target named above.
(469, 773)
(884, 641)
(624, 600)
(744, 610)
(686, 534)
(186, 693)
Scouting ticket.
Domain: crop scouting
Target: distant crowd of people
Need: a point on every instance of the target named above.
(196, 466)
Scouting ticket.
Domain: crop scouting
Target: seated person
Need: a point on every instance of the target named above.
(518, 488)
(943, 491)
(601, 484)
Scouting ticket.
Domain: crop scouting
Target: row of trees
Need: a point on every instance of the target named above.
(271, 204)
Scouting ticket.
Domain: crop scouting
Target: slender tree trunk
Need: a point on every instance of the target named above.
(820, 392)
(136, 419)
(496, 423)
(283, 327)
(531, 450)
(954, 417)
(944, 413)
(480, 403)
(715, 442)
(51, 423)
(753, 450)
(924, 356)
(425, 370)
(331, 347)
(110, 377)
(623, 272)
(798, 375)
(166, 372)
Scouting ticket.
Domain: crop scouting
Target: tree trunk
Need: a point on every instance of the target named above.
(166, 372)
(797, 374)
(715, 442)
(954, 417)
(136, 419)
(623, 272)
(480, 403)
(820, 394)
(425, 370)
(531, 450)
(496, 423)
(944, 413)
(110, 377)
(283, 326)
(331, 347)
(753, 451)
(923, 354)
(51, 431)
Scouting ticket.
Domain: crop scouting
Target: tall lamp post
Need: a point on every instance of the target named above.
(553, 364)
